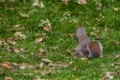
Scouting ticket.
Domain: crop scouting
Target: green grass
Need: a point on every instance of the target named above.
(100, 24)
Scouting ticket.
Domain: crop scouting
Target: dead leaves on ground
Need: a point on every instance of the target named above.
(10, 43)
(46, 25)
(38, 4)
(81, 1)
(78, 1)
(45, 67)
(111, 75)
(8, 78)
(43, 37)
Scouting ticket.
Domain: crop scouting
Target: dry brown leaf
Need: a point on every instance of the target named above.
(22, 66)
(42, 64)
(75, 68)
(37, 78)
(32, 11)
(39, 40)
(47, 28)
(99, 6)
(8, 78)
(1, 43)
(41, 5)
(18, 27)
(19, 35)
(26, 15)
(116, 9)
(94, 34)
(81, 1)
(62, 65)
(16, 50)
(10, 49)
(84, 58)
(11, 42)
(117, 56)
(108, 75)
(6, 65)
(71, 34)
(35, 4)
(38, 4)
(46, 61)
(65, 1)
(76, 79)
(41, 52)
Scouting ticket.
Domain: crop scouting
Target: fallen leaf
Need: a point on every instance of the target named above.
(8, 78)
(6, 65)
(71, 34)
(42, 64)
(22, 66)
(38, 4)
(108, 75)
(11, 42)
(19, 35)
(34, 10)
(41, 5)
(16, 50)
(75, 68)
(39, 40)
(116, 9)
(65, 1)
(37, 78)
(35, 3)
(10, 49)
(18, 27)
(94, 34)
(117, 56)
(59, 64)
(45, 23)
(46, 61)
(84, 58)
(99, 6)
(47, 28)
(41, 52)
(81, 1)
(24, 15)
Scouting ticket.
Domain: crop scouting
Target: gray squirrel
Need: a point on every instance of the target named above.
(86, 47)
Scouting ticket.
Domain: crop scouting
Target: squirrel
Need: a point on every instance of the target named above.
(86, 47)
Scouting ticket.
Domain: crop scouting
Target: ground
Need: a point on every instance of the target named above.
(37, 39)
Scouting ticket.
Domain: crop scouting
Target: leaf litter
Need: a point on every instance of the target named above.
(47, 64)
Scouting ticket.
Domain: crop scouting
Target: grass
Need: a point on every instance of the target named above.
(101, 24)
